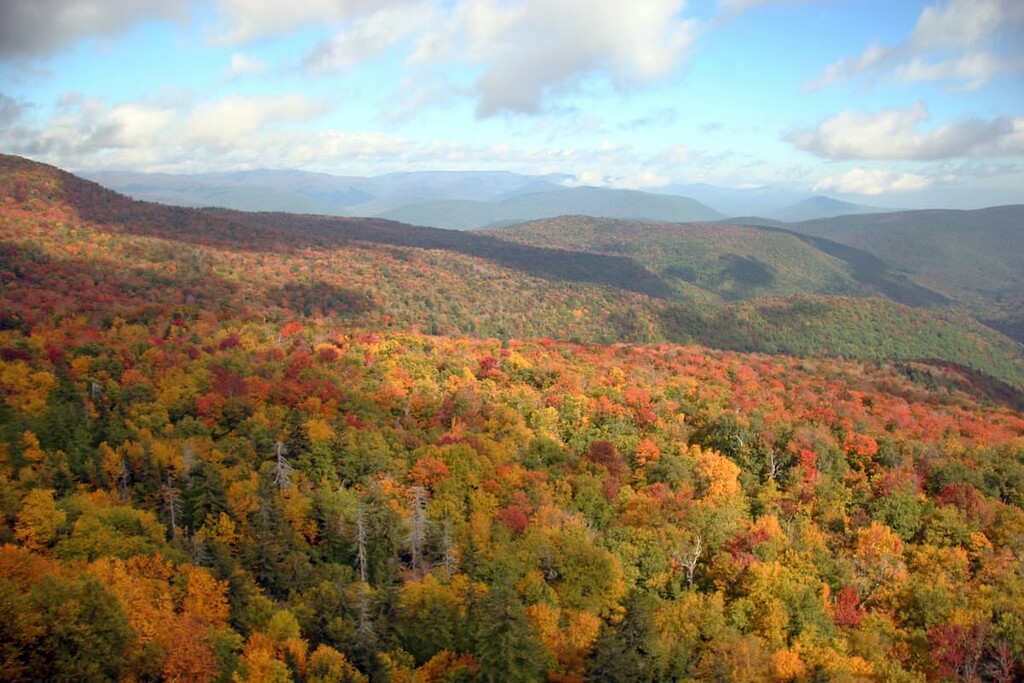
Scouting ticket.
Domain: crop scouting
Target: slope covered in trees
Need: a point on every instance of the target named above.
(974, 257)
(730, 261)
(784, 292)
(226, 455)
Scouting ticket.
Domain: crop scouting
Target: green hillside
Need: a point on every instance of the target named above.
(976, 258)
(730, 262)
(814, 326)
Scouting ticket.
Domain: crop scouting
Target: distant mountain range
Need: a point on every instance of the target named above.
(465, 199)
(820, 207)
(322, 193)
(778, 203)
(590, 201)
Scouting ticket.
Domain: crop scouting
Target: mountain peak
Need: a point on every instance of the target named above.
(821, 206)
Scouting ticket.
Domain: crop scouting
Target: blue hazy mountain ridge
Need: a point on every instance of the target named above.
(307, 192)
(979, 250)
(820, 206)
(757, 200)
(478, 198)
(589, 201)
(257, 190)
(418, 196)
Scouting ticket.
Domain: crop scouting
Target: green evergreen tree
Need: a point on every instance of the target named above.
(627, 651)
(505, 646)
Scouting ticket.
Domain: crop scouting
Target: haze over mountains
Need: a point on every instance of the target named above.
(804, 289)
(466, 199)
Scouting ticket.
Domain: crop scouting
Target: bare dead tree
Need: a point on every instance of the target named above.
(172, 505)
(451, 562)
(689, 555)
(200, 557)
(365, 626)
(418, 527)
(361, 544)
(282, 468)
(773, 464)
(188, 457)
(123, 477)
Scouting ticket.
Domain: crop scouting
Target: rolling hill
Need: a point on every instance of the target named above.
(585, 279)
(733, 262)
(975, 258)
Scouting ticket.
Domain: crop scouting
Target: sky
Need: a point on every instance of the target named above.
(888, 103)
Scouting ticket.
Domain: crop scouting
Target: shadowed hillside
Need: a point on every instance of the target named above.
(975, 258)
(732, 261)
(555, 264)
(279, 231)
(108, 258)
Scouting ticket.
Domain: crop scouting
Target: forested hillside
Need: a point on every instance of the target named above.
(753, 288)
(973, 257)
(242, 447)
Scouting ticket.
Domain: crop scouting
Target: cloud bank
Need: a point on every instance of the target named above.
(894, 134)
(965, 41)
(37, 28)
(872, 182)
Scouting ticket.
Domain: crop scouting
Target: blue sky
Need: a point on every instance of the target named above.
(895, 103)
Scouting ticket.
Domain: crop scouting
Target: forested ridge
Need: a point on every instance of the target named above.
(236, 452)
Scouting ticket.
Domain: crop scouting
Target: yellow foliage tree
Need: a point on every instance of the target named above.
(39, 520)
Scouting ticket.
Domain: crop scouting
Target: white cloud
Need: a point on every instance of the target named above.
(371, 35)
(1011, 144)
(229, 122)
(846, 68)
(966, 41)
(244, 65)
(588, 179)
(643, 180)
(533, 49)
(238, 132)
(960, 23)
(973, 69)
(234, 130)
(246, 20)
(730, 9)
(636, 180)
(872, 182)
(509, 55)
(671, 156)
(37, 28)
(84, 127)
(894, 134)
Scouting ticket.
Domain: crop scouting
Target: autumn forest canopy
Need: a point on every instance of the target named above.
(278, 447)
